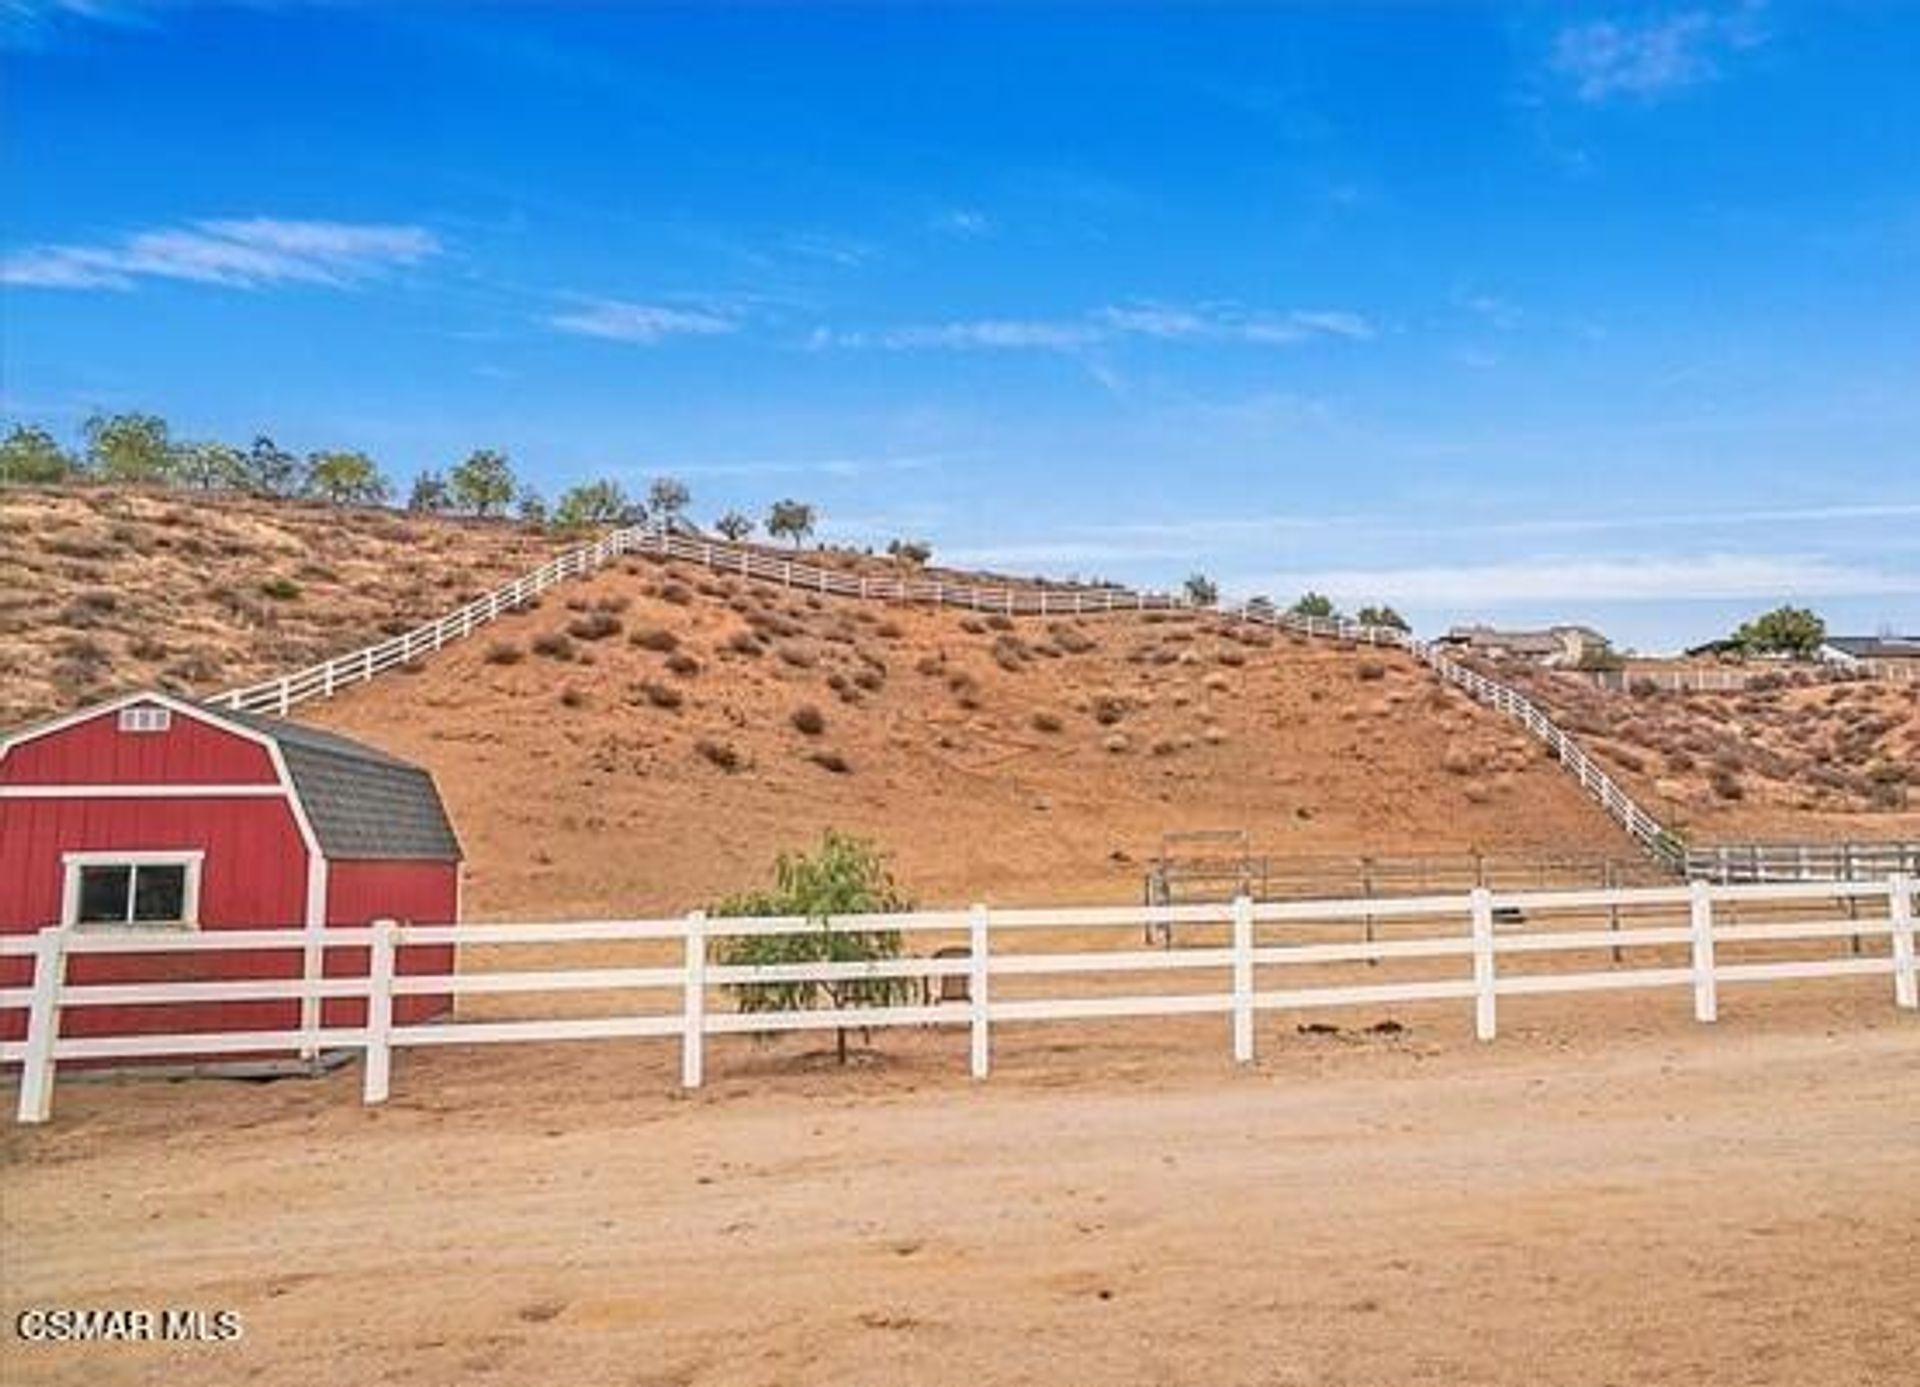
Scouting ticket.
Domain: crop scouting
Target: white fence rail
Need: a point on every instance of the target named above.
(1240, 958)
(323, 680)
(1763, 862)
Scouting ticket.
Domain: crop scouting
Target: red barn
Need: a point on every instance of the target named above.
(153, 813)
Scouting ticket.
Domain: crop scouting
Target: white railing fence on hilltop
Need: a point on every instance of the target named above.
(1487, 945)
(1039, 600)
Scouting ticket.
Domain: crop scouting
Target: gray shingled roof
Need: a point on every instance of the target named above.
(363, 803)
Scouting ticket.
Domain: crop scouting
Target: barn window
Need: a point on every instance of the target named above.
(136, 890)
(145, 718)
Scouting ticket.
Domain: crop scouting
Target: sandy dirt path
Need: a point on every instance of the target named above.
(1608, 1196)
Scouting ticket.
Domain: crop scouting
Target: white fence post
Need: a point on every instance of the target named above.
(1906, 986)
(693, 1037)
(380, 969)
(977, 940)
(43, 1025)
(1484, 1012)
(1706, 998)
(1243, 979)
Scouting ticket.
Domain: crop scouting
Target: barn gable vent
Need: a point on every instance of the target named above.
(145, 718)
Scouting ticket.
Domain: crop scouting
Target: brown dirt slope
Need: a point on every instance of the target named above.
(650, 738)
(107, 588)
(1792, 761)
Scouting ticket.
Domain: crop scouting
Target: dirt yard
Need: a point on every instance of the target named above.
(1607, 1194)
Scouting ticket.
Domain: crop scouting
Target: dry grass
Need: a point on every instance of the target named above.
(193, 594)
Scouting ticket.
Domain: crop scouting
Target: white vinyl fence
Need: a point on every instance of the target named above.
(1032, 599)
(1234, 960)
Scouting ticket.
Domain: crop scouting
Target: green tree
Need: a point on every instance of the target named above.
(210, 466)
(1201, 590)
(1315, 604)
(530, 506)
(915, 553)
(483, 484)
(595, 503)
(30, 457)
(843, 876)
(734, 526)
(271, 470)
(346, 479)
(1383, 616)
(668, 499)
(132, 448)
(429, 494)
(790, 520)
(1793, 631)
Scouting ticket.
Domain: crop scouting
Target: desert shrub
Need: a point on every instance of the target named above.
(1115, 742)
(964, 688)
(1108, 709)
(1000, 622)
(97, 600)
(572, 698)
(1368, 670)
(613, 602)
(554, 645)
(594, 626)
(504, 653)
(930, 665)
(1887, 786)
(725, 755)
(683, 664)
(809, 719)
(1213, 735)
(146, 648)
(844, 876)
(1071, 638)
(889, 630)
(1234, 659)
(1010, 653)
(1047, 722)
(280, 589)
(1164, 746)
(677, 593)
(973, 626)
(744, 643)
(657, 694)
(831, 761)
(1725, 783)
(655, 638)
(798, 656)
(1459, 760)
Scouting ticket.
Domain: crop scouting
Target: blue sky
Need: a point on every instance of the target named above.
(1530, 312)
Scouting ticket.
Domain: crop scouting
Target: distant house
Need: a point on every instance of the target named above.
(1882, 657)
(1557, 647)
(1855, 650)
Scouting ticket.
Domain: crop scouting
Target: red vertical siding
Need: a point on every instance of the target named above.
(254, 876)
(419, 893)
(97, 752)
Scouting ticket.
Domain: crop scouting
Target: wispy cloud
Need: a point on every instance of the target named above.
(820, 467)
(1165, 322)
(1651, 57)
(1641, 578)
(619, 320)
(249, 254)
(965, 222)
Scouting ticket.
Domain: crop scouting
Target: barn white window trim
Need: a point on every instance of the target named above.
(145, 717)
(106, 891)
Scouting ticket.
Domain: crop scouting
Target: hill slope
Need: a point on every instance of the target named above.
(107, 588)
(661, 753)
(1789, 762)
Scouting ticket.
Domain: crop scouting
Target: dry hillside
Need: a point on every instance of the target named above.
(650, 738)
(106, 588)
(1792, 761)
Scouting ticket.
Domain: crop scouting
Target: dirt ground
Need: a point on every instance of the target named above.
(1607, 1194)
